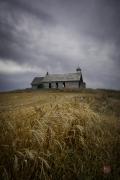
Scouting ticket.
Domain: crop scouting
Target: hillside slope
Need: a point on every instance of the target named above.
(60, 135)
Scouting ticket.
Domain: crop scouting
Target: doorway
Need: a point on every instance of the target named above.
(49, 85)
(57, 85)
(63, 84)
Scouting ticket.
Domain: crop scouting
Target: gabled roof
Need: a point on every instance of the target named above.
(37, 80)
(57, 78)
(62, 77)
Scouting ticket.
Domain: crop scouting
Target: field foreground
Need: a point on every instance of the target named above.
(60, 135)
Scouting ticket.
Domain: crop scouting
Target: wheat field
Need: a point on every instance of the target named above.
(60, 135)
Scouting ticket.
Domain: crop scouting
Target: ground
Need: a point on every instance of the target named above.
(57, 134)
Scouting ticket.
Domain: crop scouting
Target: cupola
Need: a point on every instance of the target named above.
(78, 69)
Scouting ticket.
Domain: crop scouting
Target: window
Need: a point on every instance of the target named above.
(63, 84)
(56, 84)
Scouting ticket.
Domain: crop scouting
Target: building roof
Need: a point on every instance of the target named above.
(37, 80)
(57, 78)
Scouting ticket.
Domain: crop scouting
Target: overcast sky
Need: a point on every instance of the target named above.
(55, 36)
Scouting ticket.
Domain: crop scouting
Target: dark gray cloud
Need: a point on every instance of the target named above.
(21, 6)
(14, 39)
(57, 35)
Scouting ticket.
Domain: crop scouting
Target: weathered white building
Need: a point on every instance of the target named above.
(60, 81)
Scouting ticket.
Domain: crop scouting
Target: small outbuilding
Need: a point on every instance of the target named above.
(59, 81)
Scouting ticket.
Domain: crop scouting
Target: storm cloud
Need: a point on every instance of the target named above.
(57, 35)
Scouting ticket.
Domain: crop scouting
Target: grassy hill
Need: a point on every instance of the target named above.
(56, 135)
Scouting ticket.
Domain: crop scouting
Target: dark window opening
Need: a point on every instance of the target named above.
(63, 84)
(49, 85)
(56, 85)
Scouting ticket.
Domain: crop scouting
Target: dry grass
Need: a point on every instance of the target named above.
(59, 135)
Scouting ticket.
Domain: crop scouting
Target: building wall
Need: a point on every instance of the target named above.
(46, 85)
(61, 85)
(34, 86)
(72, 84)
(83, 85)
(53, 85)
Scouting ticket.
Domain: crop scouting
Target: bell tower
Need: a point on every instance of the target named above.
(78, 69)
